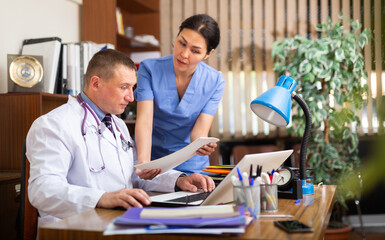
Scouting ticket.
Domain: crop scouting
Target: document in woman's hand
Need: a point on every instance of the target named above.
(176, 158)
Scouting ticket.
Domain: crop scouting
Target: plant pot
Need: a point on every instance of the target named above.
(337, 231)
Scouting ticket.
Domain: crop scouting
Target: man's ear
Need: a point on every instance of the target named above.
(209, 54)
(94, 82)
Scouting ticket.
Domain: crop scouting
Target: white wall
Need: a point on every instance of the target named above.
(25, 19)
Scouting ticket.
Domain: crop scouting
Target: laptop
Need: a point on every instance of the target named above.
(223, 193)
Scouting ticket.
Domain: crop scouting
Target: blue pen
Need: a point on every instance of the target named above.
(251, 181)
(239, 175)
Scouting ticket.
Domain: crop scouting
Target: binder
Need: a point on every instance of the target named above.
(49, 48)
(64, 68)
(132, 218)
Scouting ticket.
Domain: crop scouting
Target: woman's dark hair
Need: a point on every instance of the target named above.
(206, 26)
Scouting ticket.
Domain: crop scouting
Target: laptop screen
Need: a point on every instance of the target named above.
(223, 193)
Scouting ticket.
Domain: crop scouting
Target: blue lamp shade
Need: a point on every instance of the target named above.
(274, 105)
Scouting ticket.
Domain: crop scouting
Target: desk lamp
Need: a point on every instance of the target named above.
(274, 106)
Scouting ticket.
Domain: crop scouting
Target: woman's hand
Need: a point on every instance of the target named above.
(148, 174)
(207, 149)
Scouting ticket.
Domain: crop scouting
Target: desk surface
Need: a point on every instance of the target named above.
(313, 210)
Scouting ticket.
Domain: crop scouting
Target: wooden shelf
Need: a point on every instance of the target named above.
(134, 45)
(99, 23)
(139, 6)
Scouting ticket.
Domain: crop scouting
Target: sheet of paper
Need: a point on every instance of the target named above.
(191, 212)
(174, 159)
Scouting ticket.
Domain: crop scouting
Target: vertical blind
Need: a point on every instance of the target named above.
(248, 31)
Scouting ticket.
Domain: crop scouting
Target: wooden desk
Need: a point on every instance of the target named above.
(314, 211)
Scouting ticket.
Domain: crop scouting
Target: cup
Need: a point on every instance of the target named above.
(249, 197)
(269, 198)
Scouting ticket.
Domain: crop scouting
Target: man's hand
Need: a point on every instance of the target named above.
(195, 181)
(207, 149)
(148, 174)
(124, 198)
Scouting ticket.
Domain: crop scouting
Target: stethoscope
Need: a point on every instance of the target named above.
(126, 145)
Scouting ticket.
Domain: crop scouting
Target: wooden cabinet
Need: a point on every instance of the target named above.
(9, 204)
(18, 111)
(100, 25)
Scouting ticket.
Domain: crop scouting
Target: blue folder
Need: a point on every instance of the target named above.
(132, 218)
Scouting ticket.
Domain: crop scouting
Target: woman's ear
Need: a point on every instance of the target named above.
(208, 54)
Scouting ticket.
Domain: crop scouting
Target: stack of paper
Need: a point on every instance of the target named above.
(217, 219)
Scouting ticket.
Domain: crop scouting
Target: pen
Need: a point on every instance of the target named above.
(235, 181)
(245, 179)
(275, 178)
(259, 170)
(239, 175)
(251, 171)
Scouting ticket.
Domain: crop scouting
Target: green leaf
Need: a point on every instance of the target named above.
(325, 74)
(320, 27)
(362, 40)
(336, 43)
(358, 65)
(339, 55)
(311, 53)
(305, 67)
(346, 134)
(309, 77)
(317, 68)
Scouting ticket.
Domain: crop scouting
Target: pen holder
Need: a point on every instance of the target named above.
(269, 197)
(249, 197)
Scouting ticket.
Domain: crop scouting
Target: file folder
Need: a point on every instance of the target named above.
(49, 48)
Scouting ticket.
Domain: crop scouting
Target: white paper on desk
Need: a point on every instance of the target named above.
(176, 158)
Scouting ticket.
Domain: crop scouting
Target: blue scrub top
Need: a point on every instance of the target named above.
(174, 120)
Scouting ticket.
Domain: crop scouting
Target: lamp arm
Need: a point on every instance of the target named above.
(306, 135)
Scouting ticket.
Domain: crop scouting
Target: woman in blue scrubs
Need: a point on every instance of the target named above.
(178, 95)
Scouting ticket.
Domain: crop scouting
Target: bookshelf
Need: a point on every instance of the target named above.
(100, 25)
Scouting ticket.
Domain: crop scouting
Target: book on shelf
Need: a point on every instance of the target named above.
(75, 58)
(119, 21)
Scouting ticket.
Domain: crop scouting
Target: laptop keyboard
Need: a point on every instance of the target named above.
(191, 198)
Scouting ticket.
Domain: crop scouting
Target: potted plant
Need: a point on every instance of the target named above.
(330, 73)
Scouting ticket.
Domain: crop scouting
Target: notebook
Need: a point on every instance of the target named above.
(223, 193)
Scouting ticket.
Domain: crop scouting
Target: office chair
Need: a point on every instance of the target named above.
(241, 150)
(27, 214)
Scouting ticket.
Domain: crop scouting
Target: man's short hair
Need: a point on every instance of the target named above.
(103, 64)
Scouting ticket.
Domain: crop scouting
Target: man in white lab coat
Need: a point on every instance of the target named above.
(78, 162)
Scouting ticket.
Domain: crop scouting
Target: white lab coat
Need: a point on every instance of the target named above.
(61, 183)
